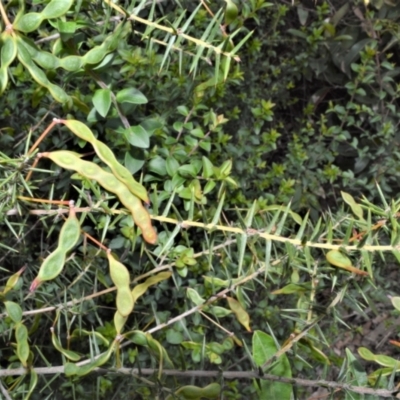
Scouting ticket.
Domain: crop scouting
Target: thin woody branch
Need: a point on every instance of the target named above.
(336, 386)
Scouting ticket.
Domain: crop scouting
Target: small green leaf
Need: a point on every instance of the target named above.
(14, 311)
(137, 136)
(293, 288)
(187, 171)
(172, 166)
(264, 348)
(140, 290)
(132, 96)
(356, 208)
(396, 302)
(174, 337)
(157, 165)
(241, 314)
(56, 8)
(208, 168)
(132, 163)
(102, 101)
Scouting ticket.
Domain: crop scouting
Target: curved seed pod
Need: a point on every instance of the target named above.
(26, 59)
(108, 157)
(231, 12)
(21, 336)
(71, 63)
(138, 337)
(28, 22)
(54, 263)
(70, 160)
(37, 74)
(14, 311)
(70, 232)
(64, 158)
(122, 173)
(79, 129)
(3, 79)
(190, 392)
(120, 277)
(95, 55)
(46, 60)
(71, 355)
(81, 370)
(13, 280)
(119, 322)
(50, 268)
(124, 301)
(141, 289)
(7, 56)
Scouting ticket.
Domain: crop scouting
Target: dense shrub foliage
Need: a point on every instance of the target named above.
(263, 140)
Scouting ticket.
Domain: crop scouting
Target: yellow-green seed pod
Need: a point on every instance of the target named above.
(7, 56)
(120, 276)
(231, 12)
(191, 392)
(70, 232)
(50, 268)
(107, 156)
(54, 262)
(119, 322)
(71, 161)
(21, 336)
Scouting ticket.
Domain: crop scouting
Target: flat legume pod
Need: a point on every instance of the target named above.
(108, 157)
(90, 170)
(120, 276)
(54, 262)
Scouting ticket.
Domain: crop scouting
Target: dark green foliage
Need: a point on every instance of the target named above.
(225, 120)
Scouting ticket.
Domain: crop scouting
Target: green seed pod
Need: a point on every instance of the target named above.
(8, 49)
(71, 63)
(123, 174)
(28, 22)
(119, 322)
(138, 337)
(46, 60)
(50, 268)
(7, 56)
(70, 232)
(120, 277)
(3, 79)
(21, 336)
(70, 160)
(13, 280)
(119, 273)
(79, 129)
(231, 12)
(95, 55)
(54, 263)
(58, 93)
(108, 157)
(191, 392)
(14, 311)
(63, 158)
(71, 355)
(124, 301)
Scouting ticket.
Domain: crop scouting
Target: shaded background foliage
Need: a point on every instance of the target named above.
(311, 109)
